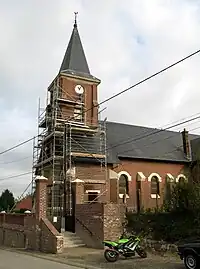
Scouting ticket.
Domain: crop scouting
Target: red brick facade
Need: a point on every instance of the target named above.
(67, 91)
(92, 178)
(133, 167)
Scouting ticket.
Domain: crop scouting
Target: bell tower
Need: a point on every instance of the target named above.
(71, 138)
(77, 86)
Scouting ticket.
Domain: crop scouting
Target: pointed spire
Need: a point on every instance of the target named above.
(74, 61)
(75, 20)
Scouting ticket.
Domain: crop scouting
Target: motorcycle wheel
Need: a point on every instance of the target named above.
(111, 255)
(141, 252)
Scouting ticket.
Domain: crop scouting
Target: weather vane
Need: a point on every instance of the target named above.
(75, 21)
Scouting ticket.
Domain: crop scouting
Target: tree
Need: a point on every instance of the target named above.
(184, 197)
(7, 200)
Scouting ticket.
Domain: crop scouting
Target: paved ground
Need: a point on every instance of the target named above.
(91, 257)
(13, 260)
(82, 258)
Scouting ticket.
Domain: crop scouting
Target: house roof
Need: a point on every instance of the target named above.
(74, 61)
(144, 143)
(25, 203)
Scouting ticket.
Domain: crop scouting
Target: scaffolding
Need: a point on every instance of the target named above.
(65, 137)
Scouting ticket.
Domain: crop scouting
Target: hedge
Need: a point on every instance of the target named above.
(170, 227)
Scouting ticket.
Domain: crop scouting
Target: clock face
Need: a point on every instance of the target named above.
(79, 89)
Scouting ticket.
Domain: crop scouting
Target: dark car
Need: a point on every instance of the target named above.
(190, 253)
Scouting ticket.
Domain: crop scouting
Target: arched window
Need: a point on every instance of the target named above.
(155, 186)
(181, 178)
(123, 184)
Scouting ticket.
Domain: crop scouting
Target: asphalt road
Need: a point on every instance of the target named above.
(13, 260)
(16, 260)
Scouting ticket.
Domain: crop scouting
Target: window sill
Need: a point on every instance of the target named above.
(122, 195)
(154, 196)
(92, 191)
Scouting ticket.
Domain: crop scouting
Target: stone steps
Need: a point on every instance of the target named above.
(71, 240)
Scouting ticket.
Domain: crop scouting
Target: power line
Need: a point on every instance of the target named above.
(20, 197)
(146, 146)
(194, 129)
(160, 156)
(125, 142)
(152, 133)
(15, 161)
(149, 77)
(156, 141)
(165, 127)
(120, 93)
(15, 176)
(18, 145)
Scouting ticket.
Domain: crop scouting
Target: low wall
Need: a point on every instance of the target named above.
(97, 222)
(12, 230)
(89, 224)
(51, 240)
(159, 247)
(24, 231)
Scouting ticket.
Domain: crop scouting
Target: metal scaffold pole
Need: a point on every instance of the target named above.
(70, 172)
(64, 178)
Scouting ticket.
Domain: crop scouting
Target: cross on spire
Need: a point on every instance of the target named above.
(75, 20)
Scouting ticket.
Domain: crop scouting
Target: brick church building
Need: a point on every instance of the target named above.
(111, 161)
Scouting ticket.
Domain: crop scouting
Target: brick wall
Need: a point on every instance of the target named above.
(51, 239)
(90, 172)
(89, 224)
(90, 95)
(12, 230)
(31, 231)
(94, 179)
(147, 167)
(98, 222)
(25, 231)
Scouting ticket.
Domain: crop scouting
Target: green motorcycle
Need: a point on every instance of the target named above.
(126, 247)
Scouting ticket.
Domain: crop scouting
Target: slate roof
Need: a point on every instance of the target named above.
(195, 147)
(136, 142)
(74, 61)
(162, 145)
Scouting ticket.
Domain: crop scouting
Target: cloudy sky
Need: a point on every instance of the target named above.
(124, 42)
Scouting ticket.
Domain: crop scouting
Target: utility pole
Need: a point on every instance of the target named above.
(64, 178)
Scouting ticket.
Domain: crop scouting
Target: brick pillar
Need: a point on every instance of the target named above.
(113, 218)
(114, 187)
(41, 197)
(141, 191)
(78, 189)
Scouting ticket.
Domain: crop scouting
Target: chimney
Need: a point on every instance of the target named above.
(186, 144)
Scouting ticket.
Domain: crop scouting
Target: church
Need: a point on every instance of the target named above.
(109, 161)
